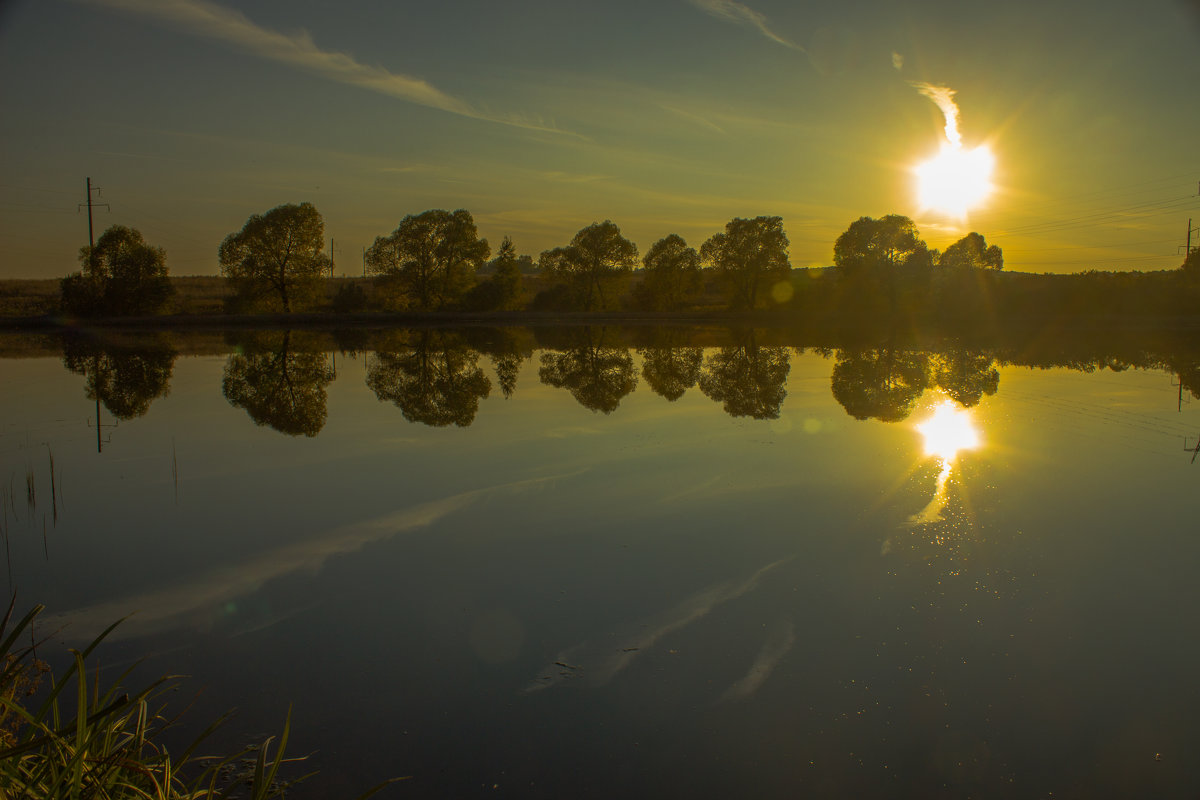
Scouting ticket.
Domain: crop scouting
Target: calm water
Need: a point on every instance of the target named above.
(564, 565)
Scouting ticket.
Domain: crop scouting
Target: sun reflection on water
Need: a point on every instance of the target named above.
(948, 431)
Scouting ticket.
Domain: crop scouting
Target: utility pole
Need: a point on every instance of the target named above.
(91, 237)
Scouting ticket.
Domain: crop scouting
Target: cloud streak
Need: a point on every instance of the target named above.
(202, 18)
(199, 600)
(744, 15)
(943, 97)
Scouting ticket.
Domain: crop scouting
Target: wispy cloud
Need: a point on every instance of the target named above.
(744, 15)
(214, 21)
(703, 122)
(943, 97)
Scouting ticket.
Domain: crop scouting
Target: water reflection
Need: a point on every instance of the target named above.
(588, 364)
(433, 377)
(947, 431)
(670, 366)
(438, 377)
(279, 378)
(882, 384)
(125, 376)
(749, 379)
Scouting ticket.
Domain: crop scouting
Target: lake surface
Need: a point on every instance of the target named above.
(582, 563)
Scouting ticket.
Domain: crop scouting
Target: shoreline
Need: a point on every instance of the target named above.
(762, 318)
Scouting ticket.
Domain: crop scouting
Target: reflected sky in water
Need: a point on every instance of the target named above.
(655, 600)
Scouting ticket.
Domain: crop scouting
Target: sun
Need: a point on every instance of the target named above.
(956, 180)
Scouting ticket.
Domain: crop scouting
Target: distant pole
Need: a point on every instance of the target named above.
(1187, 250)
(91, 237)
(331, 256)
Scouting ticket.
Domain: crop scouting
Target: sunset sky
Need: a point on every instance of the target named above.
(543, 116)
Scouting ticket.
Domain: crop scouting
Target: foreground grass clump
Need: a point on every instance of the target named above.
(67, 737)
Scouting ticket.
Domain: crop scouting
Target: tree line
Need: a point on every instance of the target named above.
(436, 261)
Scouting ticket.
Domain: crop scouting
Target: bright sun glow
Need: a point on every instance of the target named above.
(948, 430)
(956, 180)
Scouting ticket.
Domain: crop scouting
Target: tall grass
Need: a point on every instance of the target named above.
(68, 737)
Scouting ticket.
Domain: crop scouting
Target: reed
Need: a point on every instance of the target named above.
(68, 737)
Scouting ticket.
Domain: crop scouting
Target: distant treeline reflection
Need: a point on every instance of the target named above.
(437, 377)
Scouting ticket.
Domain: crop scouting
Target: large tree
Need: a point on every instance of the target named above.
(751, 255)
(972, 252)
(593, 266)
(278, 254)
(431, 257)
(886, 252)
(121, 274)
(671, 276)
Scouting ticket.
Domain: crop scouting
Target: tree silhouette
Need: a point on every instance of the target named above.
(749, 379)
(277, 255)
(972, 252)
(597, 375)
(751, 256)
(278, 384)
(593, 267)
(434, 379)
(966, 376)
(120, 275)
(431, 257)
(883, 384)
(125, 378)
(882, 252)
(671, 276)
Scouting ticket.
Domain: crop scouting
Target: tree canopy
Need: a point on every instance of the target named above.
(593, 266)
(121, 274)
(671, 276)
(278, 254)
(751, 255)
(886, 244)
(431, 257)
(972, 252)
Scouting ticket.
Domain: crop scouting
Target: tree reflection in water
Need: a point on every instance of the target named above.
(433, 377)
(597, 374)
(279, 381)
(749, 379)
(669, 366)
(125, 377)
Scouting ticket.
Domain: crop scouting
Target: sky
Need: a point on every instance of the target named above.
(543, 116)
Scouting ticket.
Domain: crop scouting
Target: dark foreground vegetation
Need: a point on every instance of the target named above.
(70, 736)
(436, 263)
